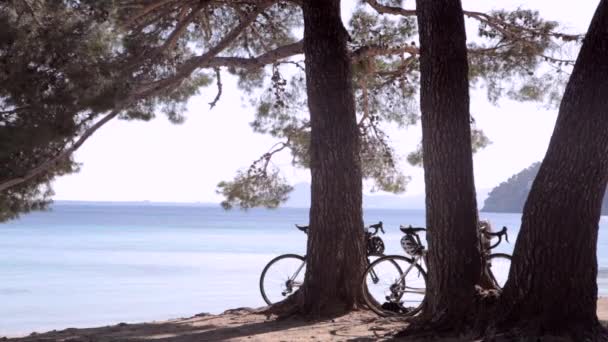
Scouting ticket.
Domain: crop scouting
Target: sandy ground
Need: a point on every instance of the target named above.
(244, 325)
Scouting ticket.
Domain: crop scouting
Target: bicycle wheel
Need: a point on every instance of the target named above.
(394, 285)
(281, 277)
(498, 267)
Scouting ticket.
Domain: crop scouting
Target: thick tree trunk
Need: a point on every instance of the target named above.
(336, 249)
(451, 207)
(552, 286)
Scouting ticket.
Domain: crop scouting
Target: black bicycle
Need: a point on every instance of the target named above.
(284, 274)
(391, 291)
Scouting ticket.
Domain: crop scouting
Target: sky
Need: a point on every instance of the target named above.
(162, 162)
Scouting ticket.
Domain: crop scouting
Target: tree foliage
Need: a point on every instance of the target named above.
(94, 61)
(55, 75)
(258, 186)
(65, 70)
(516, 55)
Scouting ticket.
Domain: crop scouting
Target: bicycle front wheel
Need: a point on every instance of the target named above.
(498, 266)
(394, 285)
(281, 277)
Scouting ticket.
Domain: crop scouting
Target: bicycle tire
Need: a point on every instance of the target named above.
(377, 307)
(263, 287)
(504, 272)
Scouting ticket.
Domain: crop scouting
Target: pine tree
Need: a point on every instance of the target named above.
(454, 260)
(552, 289)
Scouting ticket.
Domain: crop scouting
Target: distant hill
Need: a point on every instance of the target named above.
(135, 203)
(300, 198)
(510, 196)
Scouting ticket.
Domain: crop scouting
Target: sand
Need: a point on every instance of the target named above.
(244, 325)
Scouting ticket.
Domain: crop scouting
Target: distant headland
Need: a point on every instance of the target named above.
(510, 196)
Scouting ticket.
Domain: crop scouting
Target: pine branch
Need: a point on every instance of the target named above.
(203, 60)
(503, 27)
(366, 52)
(66, 153)
(269, 57)
(219, 88)
(146, 10)
(181, 27)
(32, 12)
(383, 9)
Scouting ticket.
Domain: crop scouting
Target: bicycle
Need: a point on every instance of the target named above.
(287, 271)
(390, 293)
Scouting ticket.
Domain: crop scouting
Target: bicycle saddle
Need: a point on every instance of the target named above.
(411, 230)
(302, 228)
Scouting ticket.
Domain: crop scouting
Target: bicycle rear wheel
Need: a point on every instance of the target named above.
(394, 286)
(281, 277)
(498, 268)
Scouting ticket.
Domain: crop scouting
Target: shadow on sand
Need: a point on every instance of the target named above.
(232, 326)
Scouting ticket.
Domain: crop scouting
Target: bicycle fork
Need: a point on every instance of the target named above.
(399, 288)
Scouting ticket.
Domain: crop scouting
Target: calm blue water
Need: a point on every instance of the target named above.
(96, 264)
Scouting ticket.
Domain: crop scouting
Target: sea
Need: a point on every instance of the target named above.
(96, 264)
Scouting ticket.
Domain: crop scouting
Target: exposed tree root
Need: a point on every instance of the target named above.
(284, 309)
(465, 325)
(530, 329)
(296, 306)
(481, 326)
(441, 325)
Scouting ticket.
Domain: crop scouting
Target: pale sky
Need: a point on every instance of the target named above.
(159, 161)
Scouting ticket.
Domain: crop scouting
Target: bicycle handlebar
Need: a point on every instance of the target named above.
(376, 227)
(411, 230)
(498, 234)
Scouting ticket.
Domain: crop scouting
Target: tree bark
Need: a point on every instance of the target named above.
(336, 249)
(552, 286)
(451, 207)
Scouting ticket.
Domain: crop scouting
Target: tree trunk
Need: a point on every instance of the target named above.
(336, 249)
(451, 207)
(552, 286)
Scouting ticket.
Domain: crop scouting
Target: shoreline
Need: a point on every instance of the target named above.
(242, 324)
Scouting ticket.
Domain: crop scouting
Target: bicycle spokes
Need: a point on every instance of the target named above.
(282, 277)
(395, 284)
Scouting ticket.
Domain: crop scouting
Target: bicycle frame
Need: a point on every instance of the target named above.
(290, 282)
(417, 260)
(369, 235)
(373, 273)
(298, 270)
(374, 247)
(295, 275)
(402, 294)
